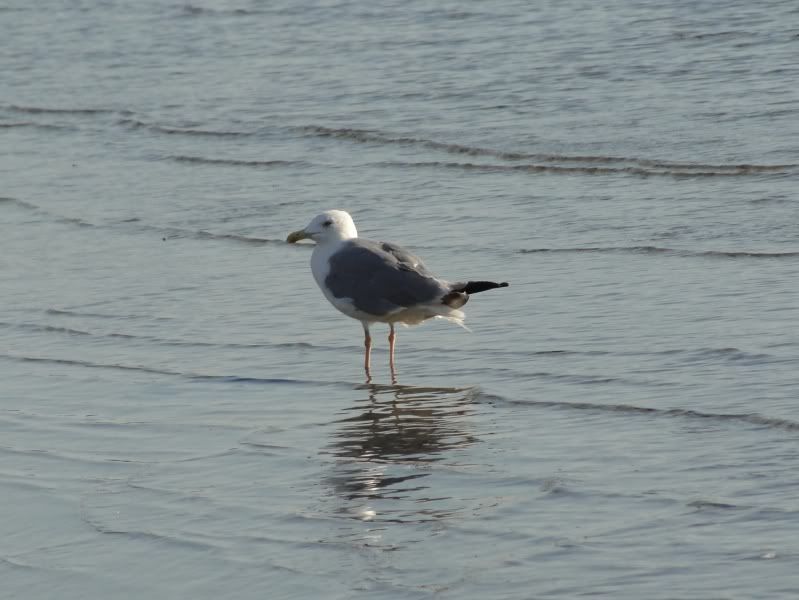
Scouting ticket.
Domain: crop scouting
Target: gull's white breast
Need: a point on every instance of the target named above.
(320, 267)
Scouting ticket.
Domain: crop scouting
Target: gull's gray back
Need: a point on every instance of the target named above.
(381, 278)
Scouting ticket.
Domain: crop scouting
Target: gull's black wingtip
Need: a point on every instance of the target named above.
(474, 287)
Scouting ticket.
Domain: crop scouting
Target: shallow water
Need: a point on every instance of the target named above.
(183, 415)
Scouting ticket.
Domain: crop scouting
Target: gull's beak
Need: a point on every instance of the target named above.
(296, 236)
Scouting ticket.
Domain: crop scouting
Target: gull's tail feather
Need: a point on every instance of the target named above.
(455, 299)
(453, 315)
(459, 292)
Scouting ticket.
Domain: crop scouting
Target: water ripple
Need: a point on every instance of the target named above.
(236, 162)
(657, 250)
(35, 110)
(170, 372)
(629, 409)
(681, 173)
(31, 124)
(657, 166)
(137, 124)
(135, 224)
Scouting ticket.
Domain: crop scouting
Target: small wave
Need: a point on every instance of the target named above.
(709, 504)
(136, 124)
(16, 563)
(690, 35)
(148, 536)
(598, 249)
(44, 328)
(186, 375)
(178, 233)
(256, 380)
(501, 352)
(745, 254)
(235, 162)
(75, 313)
(528, 168)
(685, 173)
(395, 389)
(145, 369)
(733, 355)
(753, 418)
(54, 217)
(655, 166)
(190, 10)
(750, 418)
(135, 223)
(36, 110)
(156, 371)
(657, 250)
(20, 203)
(31, 124)
(74, 221)
(60, 456)
(233, 237)
(774, 199)
(88, 364)
(578, 379)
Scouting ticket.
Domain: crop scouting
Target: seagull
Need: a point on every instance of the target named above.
(379, 282)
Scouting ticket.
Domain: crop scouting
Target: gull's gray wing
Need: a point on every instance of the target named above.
(381, 278)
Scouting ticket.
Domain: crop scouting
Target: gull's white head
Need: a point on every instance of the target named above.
(330, 226)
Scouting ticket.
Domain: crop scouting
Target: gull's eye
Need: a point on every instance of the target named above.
(327, 223)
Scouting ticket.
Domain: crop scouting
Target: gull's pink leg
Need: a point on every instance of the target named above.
(367, 344)
(391, 338)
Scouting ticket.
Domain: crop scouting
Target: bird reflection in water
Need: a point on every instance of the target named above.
(391, 441)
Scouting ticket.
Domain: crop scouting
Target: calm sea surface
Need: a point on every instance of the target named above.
(183, 415)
